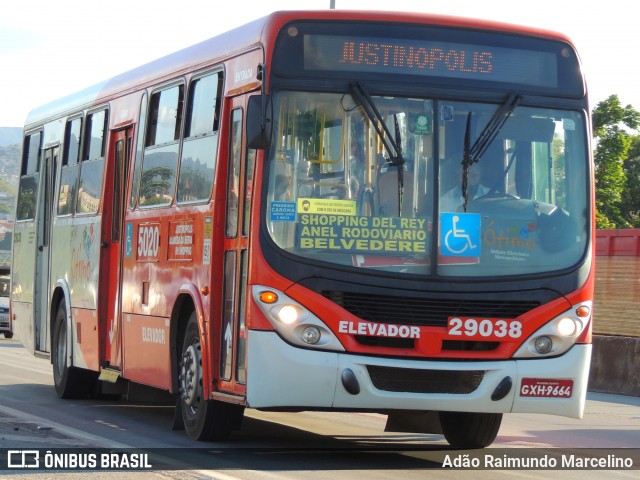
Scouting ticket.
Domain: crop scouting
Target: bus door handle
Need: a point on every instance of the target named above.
(104, 244)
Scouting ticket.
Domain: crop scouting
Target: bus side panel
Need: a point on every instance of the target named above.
(22, 297)
(75, 249)
(23, 325)
(147, 350)
(75, 257)
(85, 339)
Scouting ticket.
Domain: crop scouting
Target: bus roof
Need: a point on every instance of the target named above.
(246, 37)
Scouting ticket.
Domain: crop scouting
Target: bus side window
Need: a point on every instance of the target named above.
(233, 174)
(200, 144)
(92, 166)
(28, 193)
(69, 175)
(157, 185)
(139, 151)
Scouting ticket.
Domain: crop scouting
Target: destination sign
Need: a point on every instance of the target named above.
(356, 234)
(431, 58)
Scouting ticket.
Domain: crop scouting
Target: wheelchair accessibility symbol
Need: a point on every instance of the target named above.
(460, 234)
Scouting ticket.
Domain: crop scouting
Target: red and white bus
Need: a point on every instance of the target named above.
(332, 210)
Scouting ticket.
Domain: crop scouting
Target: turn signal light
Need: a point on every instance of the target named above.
(268, 297)
(583, 311)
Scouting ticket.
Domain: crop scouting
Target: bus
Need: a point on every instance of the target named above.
(349, 211)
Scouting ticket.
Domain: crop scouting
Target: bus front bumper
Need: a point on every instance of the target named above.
(283, 376)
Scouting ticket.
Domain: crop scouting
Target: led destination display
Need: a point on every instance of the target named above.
(431, 58)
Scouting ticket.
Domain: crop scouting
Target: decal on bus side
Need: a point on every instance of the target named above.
(243, 75)
(206, 248)
(148, 241)
(181, 240)
(153, 335)
(128, 240)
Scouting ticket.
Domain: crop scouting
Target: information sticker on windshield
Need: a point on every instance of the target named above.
(483, 329)
(546, 387)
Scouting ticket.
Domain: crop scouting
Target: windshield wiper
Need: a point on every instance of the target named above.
(473, 153)
(393, 147)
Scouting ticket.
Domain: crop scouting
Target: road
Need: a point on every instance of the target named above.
(290, 446)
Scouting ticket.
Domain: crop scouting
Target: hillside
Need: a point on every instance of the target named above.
(10, 163)
(9, 174)
(10, 136)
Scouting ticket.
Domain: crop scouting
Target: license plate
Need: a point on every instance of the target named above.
(4, 319)
(546, 387)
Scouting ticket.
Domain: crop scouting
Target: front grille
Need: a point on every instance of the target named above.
(389, 342)
(469, 346)
(425, 311)
(411, 380)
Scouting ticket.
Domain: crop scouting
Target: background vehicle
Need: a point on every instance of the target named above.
(259, 221)
(5, 319)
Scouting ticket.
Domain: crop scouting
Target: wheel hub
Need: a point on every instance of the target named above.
(191, 375)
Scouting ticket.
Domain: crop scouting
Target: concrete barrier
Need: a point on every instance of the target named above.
(615, 365)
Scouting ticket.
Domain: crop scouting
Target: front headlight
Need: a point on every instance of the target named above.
(293, 322)
(558, 335)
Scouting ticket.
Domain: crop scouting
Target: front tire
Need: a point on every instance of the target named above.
(70, 382)
(203, 419)
(470, 430)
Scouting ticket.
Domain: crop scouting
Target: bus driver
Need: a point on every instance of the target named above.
(453, 200)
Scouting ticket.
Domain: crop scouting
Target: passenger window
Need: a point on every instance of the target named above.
(157, 184)
(233, 182)
(92, 166)
(94, 136)
(139, 151)
(200, 146)
(69, 174)
(204, 105)
(166, 115)
(28, 189)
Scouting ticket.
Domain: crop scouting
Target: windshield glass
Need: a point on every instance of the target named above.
(336, 194)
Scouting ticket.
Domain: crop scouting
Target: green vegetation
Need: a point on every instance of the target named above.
(617, 164)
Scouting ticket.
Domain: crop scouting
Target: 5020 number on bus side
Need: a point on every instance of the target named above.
(484, 329)
(148, 241)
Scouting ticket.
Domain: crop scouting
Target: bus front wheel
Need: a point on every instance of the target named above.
(70, 382)
(470, 430)
(203, 419)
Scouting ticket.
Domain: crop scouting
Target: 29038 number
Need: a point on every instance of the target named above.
(484, 329)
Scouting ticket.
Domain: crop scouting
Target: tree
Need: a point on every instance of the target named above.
(614, 141)
(630, 204)
(156, 186)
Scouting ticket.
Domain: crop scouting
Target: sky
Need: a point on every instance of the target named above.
(49, 49)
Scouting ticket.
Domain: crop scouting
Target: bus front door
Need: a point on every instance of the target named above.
(232, 371)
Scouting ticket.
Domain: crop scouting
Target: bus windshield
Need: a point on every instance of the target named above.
(336, 193)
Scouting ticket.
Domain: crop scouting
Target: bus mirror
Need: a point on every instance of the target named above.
(259, 121)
